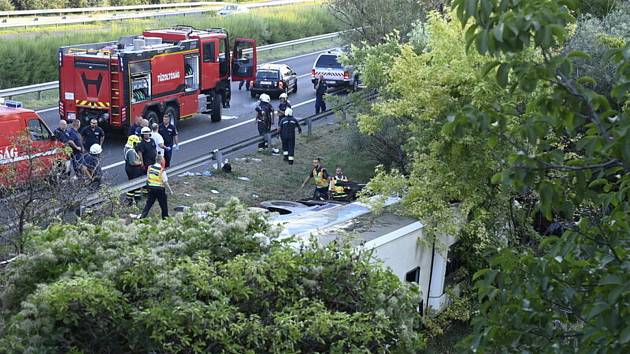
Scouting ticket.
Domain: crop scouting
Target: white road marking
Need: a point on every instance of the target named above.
(47, 110)
(213, 133)
(228, 117)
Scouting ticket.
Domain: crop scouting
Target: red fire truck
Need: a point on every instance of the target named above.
(176, 72)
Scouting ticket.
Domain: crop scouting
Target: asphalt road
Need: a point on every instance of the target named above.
(198, 135)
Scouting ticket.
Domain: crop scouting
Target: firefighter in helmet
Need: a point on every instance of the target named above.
(133, 165)
(286, 128)
(283, 105)
(264, 118)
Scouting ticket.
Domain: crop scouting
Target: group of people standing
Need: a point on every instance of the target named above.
(149, 152)
(287, 124)
(86, 144)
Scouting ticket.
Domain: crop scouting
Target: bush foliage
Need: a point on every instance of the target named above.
(209, 281)
(26, 61)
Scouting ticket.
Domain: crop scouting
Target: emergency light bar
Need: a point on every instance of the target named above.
(12, 104)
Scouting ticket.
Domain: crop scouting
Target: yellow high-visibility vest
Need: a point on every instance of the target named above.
(320, 181)
(154, 176)
(335, 189)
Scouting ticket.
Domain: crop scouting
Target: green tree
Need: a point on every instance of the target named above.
(598, 8)
(419, 91)
(206, 281)
(571, 146)
(596, 37)
(372, 20)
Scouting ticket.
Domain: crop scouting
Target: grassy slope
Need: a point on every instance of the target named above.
(271, 177)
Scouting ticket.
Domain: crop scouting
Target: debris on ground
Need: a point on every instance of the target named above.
(214, 191)
(248, 159)
(243, 178)
(186, 195)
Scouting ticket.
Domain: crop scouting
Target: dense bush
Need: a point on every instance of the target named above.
(598, 8)
(596, 37)
(25, 61)
(212, 283)
(6, 5)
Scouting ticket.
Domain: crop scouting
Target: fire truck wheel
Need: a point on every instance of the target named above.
(171, 113)
(152, 117)
(215, 115)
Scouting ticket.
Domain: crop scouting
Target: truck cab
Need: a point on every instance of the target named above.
(28, 148)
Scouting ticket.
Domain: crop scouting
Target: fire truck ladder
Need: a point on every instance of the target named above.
(115, 96)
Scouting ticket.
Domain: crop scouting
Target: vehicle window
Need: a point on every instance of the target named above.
(328, 61)
(267, 75)
(208, 52)
(37, 130)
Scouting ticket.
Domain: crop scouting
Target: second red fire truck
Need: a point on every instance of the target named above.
(175, 72)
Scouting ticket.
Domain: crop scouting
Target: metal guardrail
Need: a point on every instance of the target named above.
(52, 85)
(219, 154)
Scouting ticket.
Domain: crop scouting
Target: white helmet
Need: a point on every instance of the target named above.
(96, 149)
(145, 130)
(284, 95)
(265, 98)
(288, 111)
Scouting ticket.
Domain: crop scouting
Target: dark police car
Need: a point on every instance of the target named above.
(274, 79)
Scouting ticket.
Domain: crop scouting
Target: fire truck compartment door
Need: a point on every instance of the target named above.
(244, 60)
(92, 83)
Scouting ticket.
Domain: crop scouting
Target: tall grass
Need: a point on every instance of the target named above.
(31, 59)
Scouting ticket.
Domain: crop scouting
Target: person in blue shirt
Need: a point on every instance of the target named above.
(169, 134)
(134, 129)
(61, 133)
(286, 128)
(92, 166)
(76, 143)
(320, 91)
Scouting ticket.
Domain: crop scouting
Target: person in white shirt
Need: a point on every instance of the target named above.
(159, 141)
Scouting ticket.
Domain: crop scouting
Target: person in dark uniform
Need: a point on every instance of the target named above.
(146, 149)
(320, 175)
(76, 143)
(264, 118)
(135, 128)
(92, 134)
(320, 91)
(171, 141)
(61, 133)
(283, 105)
(91, 166)
(286, 128)
(156, 180)
(244, 82)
